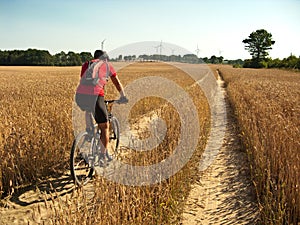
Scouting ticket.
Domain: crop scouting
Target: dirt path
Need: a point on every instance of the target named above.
(223, 193)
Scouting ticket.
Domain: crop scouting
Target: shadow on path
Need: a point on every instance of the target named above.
(46, 190)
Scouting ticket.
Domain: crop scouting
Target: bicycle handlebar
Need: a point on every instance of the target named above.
(110, 101)
(119, 101)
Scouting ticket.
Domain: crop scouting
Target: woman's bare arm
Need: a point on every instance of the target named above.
(118, 85)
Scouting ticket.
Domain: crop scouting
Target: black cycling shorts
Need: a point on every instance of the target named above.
(94, 104)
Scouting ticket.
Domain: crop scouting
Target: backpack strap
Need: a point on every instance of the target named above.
(107, 70)
(93, 65)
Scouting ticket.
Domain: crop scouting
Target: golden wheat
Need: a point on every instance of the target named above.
(37, 135)
(36, 127)
(266, 103)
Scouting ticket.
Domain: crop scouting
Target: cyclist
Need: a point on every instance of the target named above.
(90, 98)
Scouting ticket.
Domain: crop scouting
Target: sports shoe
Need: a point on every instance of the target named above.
(108, 156)
(102, 160)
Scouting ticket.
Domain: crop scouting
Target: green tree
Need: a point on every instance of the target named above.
(85, 56)
(73, 59)
(190, 58)
(214, 59)
(205, 60)
(290, 62)
(220, 59)
(60, 59)
(4, 57)
(258, 43)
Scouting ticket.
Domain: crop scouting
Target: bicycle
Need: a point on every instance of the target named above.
(86, 146)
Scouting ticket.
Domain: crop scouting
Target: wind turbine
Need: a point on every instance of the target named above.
(197, 50)
(173, 54)
(102, 44)
(220, 52)
(160, 47)
(156, 47)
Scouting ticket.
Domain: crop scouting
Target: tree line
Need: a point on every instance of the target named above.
(291, 62)
(35, 57)
(187, 58)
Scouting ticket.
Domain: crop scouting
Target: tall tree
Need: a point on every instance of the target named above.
(73, 59)
(85, 56)
(258, 43)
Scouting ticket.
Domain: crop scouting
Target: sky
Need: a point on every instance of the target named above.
(217, 27)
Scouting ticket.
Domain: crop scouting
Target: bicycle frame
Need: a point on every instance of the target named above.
(86, 147)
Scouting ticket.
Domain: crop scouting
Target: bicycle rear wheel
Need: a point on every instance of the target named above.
(114, 135)
(81, 158)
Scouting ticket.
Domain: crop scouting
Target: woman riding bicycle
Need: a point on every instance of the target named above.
(90, 95)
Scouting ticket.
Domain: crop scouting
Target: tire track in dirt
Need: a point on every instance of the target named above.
(223, 193)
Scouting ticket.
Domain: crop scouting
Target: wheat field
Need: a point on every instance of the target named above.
(36, 137)
(36, 128)
(37, 133)
(267, 106)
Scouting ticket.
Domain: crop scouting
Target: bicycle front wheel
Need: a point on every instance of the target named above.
(114, 135)
(81, 158)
